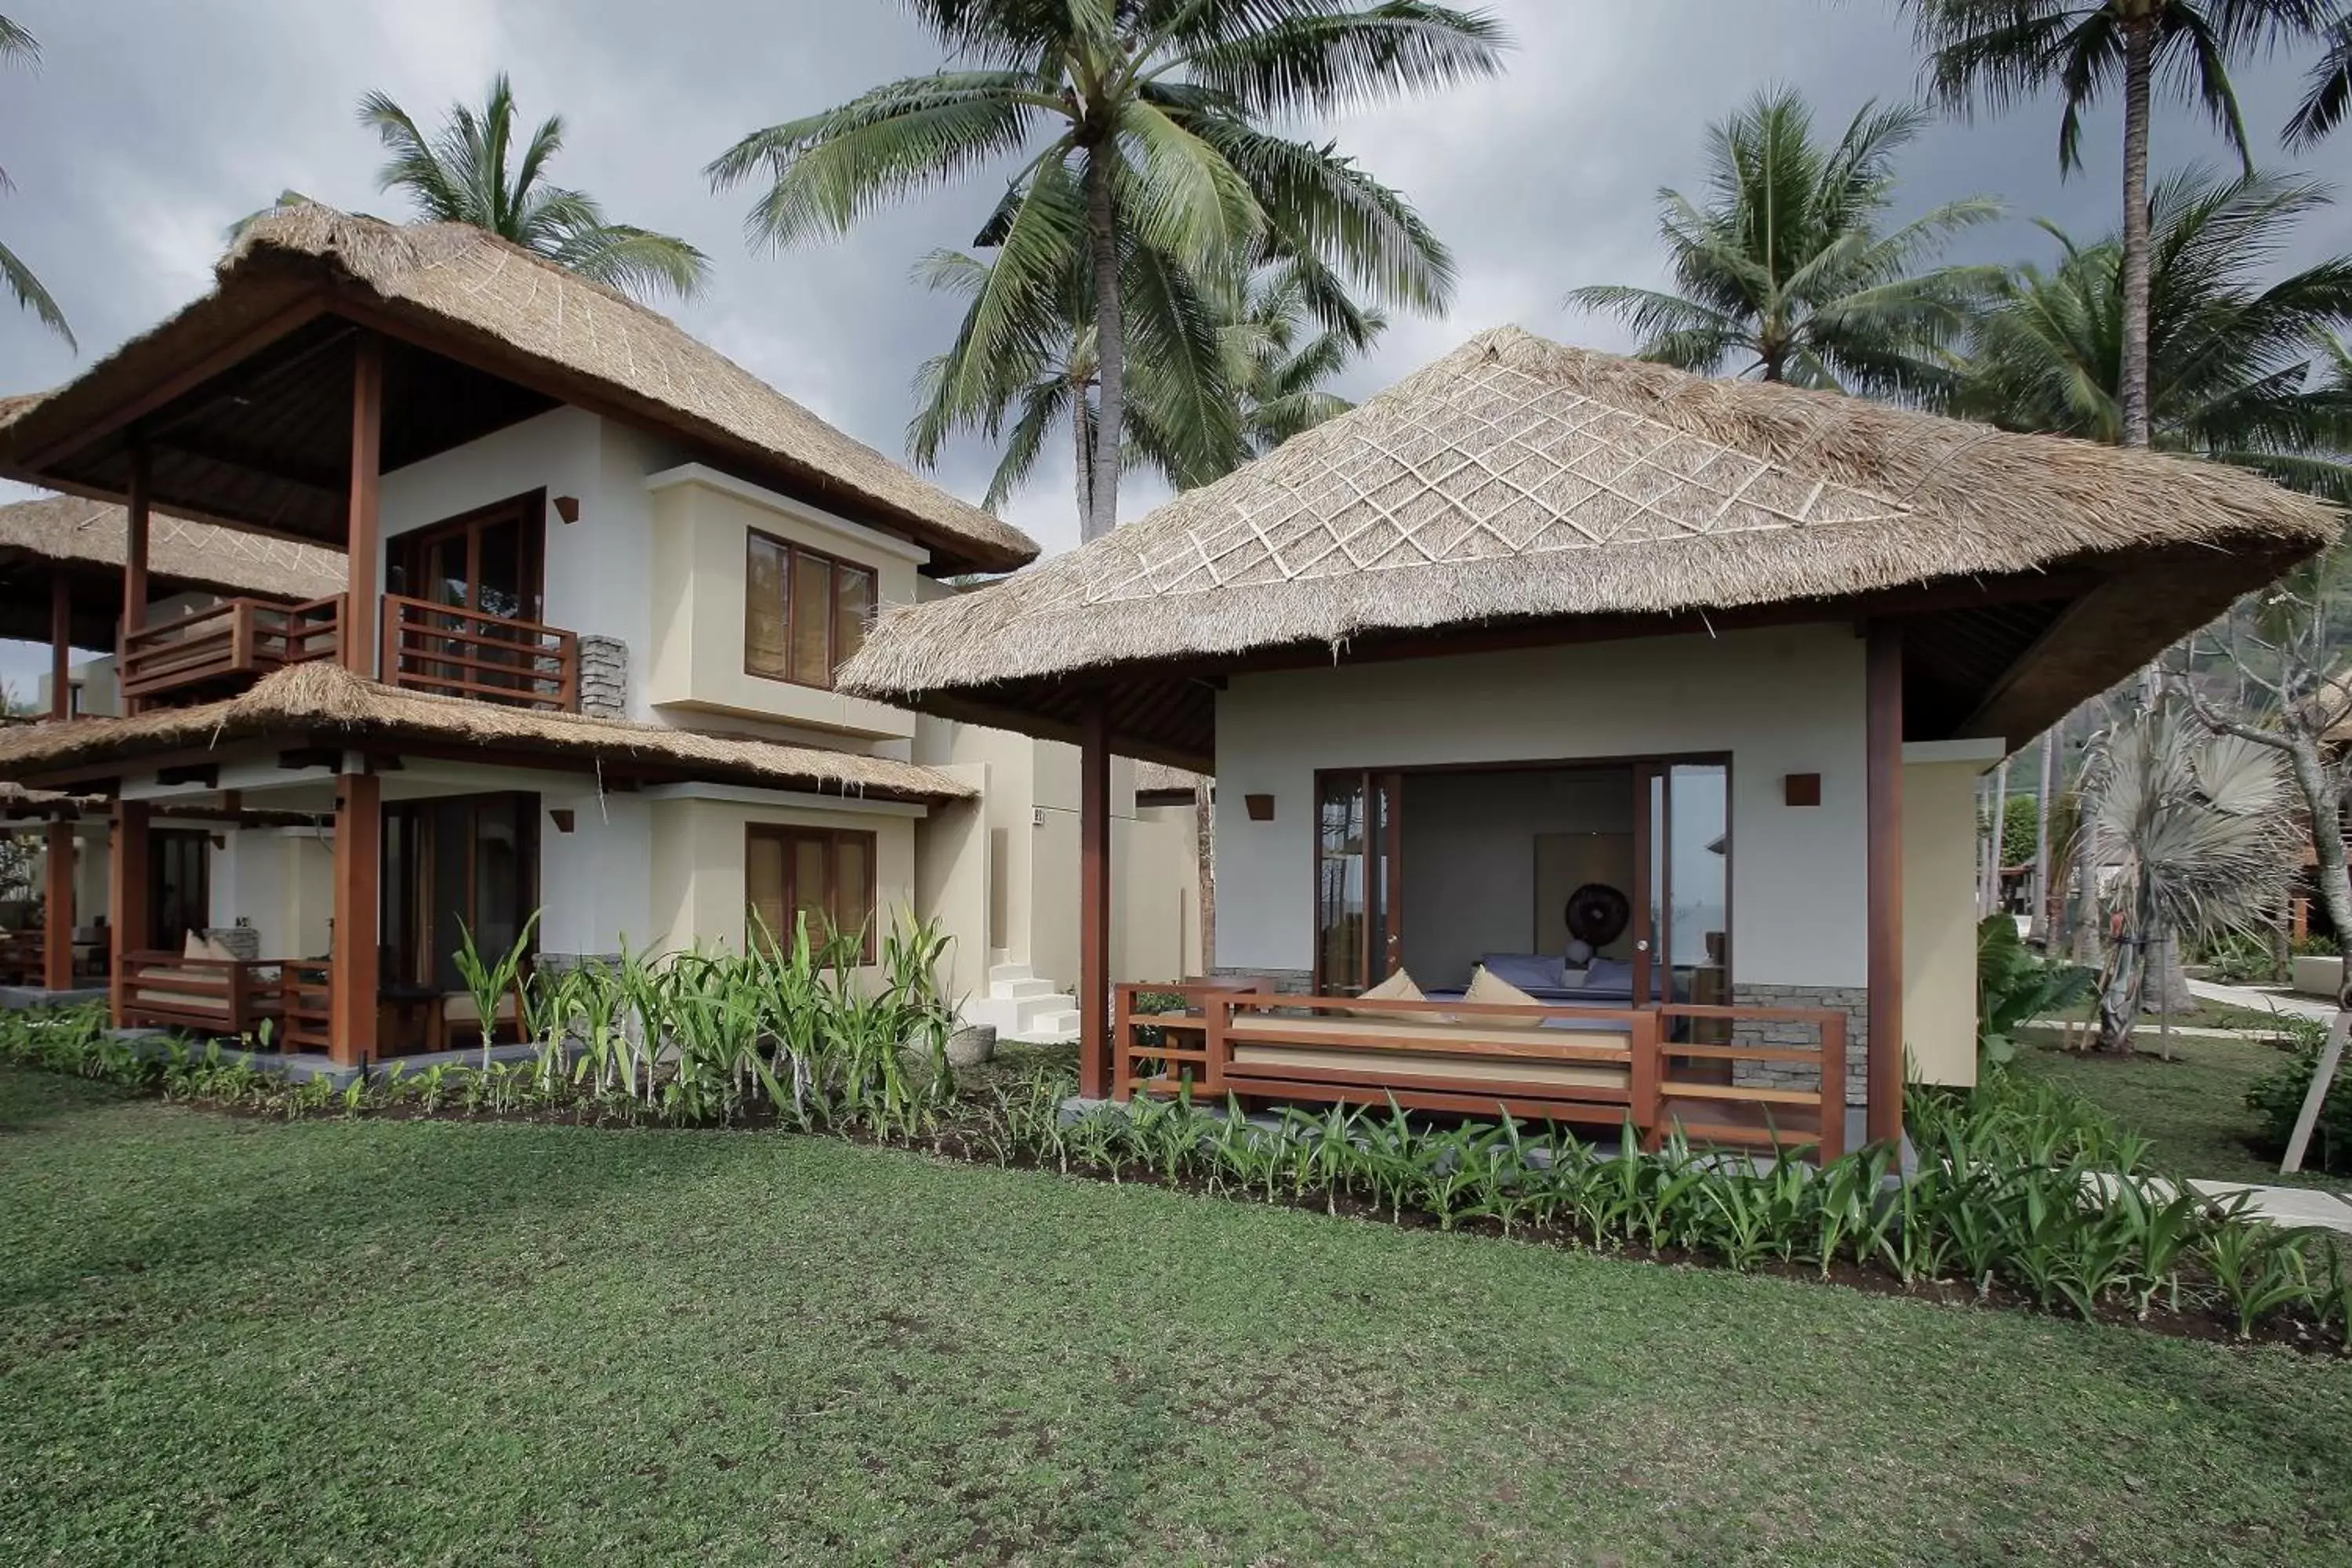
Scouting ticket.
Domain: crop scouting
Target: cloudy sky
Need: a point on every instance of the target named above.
(153, 124)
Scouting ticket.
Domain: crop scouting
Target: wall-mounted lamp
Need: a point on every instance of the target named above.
(1800, 789)
(568, 508)
(1261, 807)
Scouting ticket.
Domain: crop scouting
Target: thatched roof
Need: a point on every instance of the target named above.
(523, 318)
(182, 554)
(1159, 784)
(1517, 480)
(19, 804)
(322, 703)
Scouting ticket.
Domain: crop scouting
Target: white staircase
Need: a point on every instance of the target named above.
(1023, 1007)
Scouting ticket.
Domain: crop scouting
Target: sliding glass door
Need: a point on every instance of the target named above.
(1682, 914)
(1359, 908)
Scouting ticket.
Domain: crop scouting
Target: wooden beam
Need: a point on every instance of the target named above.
(1882, 792)
(305, 307)
(126, 898)
(361, 540)
(353, 958)
(204, 774)
(1094, 905)
(56, 950)
(60, 644)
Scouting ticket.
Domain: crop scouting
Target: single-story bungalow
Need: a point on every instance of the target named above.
(1612, 728)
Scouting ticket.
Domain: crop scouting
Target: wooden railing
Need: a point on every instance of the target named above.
(237, 638)
(465, 653)
(308, 997)
(1572, 1063)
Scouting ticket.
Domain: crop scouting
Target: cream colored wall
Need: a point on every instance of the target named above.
(1940, 946)
(1158, 932)
(1783, 700)
(953, 882)
(701, 528)
(698, 890)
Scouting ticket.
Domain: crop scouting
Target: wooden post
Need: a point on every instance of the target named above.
(1094, 903)
(126, 899)
(362, 540)
(1883, 745)
(57, 949)
(134, 560)
(351, 969)
(60, 644)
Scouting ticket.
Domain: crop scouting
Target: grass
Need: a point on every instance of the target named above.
(234, 1341)
(2194, 1108)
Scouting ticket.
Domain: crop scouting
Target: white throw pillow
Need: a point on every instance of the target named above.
(1486, 986)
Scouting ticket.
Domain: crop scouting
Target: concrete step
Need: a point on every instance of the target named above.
(1020, 989)
(1004, 972)
(1057, 1026)
(1023, 1017)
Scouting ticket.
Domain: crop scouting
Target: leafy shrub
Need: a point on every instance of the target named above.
(2015, 987)
(2278, 1095)
(2237, 958)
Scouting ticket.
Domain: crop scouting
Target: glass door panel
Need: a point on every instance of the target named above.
(1339, 876)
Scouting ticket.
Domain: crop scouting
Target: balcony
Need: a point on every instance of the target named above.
(457, 652)
(208, 650)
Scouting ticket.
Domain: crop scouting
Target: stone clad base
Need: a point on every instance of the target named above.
(1854, 1000)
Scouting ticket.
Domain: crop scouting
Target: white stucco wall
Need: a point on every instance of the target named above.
(1778, 700)
(596, 881)
(1940, 919)
(597, 569)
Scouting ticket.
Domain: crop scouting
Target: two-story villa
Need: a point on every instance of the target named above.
(596, 582)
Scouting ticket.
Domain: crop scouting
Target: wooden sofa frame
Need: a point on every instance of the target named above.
(217, 997)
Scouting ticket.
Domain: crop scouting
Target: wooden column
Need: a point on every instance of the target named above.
(134, 559)
(1883, 743)
(60, 646)
(126, 896)
(363, 538)
(1094, 904)
(57, 937)
(359, 865)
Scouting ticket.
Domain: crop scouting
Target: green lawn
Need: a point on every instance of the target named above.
(240, 1341)
(2194, 1108)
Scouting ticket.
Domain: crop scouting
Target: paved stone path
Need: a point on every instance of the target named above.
(2262, 999)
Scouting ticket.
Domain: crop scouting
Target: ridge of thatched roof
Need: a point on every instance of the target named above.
(461, 279)
(1518, 479)
(182, 553)
(321, 698)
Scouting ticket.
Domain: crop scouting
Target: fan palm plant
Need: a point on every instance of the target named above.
(19, 46)
(1999, 51)
(465, 174)
(1149, 114)
(1784, 271)
(2192, 833)
(2237, 356)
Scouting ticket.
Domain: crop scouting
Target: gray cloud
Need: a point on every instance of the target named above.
(154, 123)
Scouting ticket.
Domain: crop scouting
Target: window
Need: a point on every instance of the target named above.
(803, 614)
(826, 875)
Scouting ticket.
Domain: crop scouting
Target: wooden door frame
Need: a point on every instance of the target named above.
(420, 887)
(530, 508)
(158, 859)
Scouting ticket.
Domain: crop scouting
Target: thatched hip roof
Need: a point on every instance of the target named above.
(1517, 480)
(322, 703)
(460, 290)
(182, 554)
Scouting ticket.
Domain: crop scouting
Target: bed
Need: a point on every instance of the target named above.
(1605, 983)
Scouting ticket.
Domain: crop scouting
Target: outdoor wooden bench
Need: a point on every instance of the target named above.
(215, 997)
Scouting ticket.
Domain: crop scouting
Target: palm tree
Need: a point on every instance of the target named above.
(1279, 358)
(1222, 375)
(2330, 93)
(16, 44)
(2230, 350)
(1784, 273)
(2002, 50)
(2194, 832)
(1149, 114)
(462, 175)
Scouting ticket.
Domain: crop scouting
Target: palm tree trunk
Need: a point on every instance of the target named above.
(1204, 850)
(1081, 455)
(2140, 45)
(2321, 800)
(1110, 355)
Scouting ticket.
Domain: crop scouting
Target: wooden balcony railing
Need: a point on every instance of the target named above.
(235, 639)
(465, 653)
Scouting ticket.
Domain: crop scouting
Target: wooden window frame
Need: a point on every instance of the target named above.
(786, 834)
(793, 550)
(408, 550)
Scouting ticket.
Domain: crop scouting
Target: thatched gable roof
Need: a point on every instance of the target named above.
(518, 317)
(182, 554)
(320, 702)
(1517, 480)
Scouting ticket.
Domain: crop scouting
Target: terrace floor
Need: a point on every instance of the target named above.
(232, 1341)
